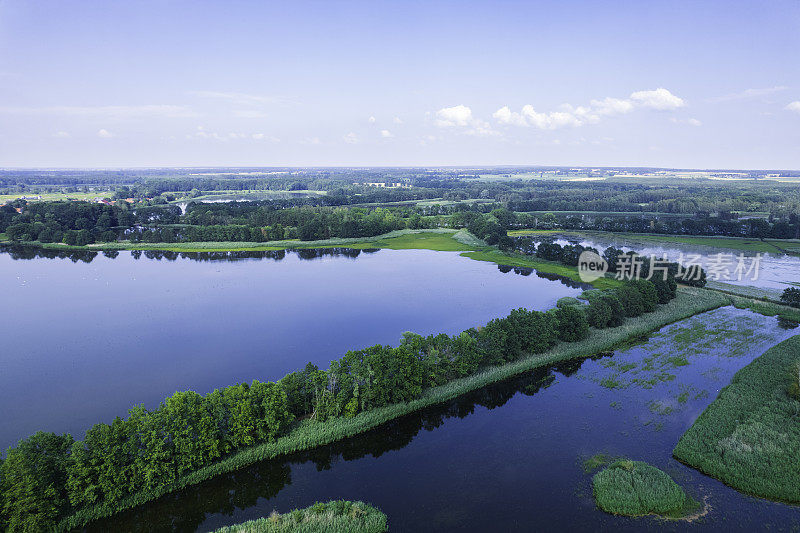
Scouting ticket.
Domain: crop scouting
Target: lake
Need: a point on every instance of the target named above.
(88, 335)
(510, 457)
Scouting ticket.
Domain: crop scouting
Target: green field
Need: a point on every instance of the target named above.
(56, 196)
(310, 434)
(749, 437)
(333, 517)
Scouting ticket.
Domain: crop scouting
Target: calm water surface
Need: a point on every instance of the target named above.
(86, 336)
(510, 457)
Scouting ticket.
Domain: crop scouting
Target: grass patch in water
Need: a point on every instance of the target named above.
(334, 517)
(749, 437)
(635, 488)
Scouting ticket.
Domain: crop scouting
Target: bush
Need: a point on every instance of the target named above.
(617, 309)
(649, 294)
(667, 289)
(791, 296)
(571, 324)
(633, 303)
(598, 313)
(567, 301)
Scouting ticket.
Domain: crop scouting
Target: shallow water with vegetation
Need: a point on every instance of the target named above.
(88, 334)
(775, 270)
(517, 455)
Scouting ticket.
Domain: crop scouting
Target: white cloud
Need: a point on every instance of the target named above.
(689, 121)
(397, 120)
(459, 115)
(573, 116)
(612, 106)
(104, 134)
(794, 106)
(351, 138)
(372, 120)
(660, 99)
(748, 94)
(386, 134)
(238, 98)
(62, 135)
(264, 137)
(249, 113)
(202, 133)
(311, 140)
(108, 111)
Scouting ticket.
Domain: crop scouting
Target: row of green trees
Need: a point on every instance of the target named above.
(48, 477)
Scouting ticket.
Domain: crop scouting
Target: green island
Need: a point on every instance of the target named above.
(635, 488)
(749, 437)
(330, 517)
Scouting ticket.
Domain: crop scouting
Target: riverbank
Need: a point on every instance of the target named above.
(749, 438)
(309, 434)
(439, 240)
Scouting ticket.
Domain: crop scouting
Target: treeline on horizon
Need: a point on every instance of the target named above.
(48, 477)
(81, 223)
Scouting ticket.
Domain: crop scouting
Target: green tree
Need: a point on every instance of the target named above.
(33, 478)
(571, 323)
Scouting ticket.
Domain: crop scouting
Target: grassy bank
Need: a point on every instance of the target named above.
(310, 434)
(766, 308)
(749, 437)
(430, 239)
(540, 265)
(331, 517)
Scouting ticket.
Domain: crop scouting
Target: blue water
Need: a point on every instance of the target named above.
(510, 457)
(86, 336)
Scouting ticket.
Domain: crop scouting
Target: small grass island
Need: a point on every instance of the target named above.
(332, 517)
(635, 488)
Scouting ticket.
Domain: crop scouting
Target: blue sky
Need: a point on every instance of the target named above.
(173, 83)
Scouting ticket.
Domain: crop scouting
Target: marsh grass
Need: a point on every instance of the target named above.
(634, 488)
(310, 434)
(749, 437)
(766, 308)
(331, 517)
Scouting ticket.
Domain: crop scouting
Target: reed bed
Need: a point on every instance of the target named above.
(749, 437)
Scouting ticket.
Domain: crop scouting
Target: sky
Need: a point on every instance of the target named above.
(698, 84)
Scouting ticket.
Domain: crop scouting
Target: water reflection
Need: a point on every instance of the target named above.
(21, 252)
(527, 271)
(187, 510)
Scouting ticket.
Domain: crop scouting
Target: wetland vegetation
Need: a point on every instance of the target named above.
(749, 436)
(329, 517)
